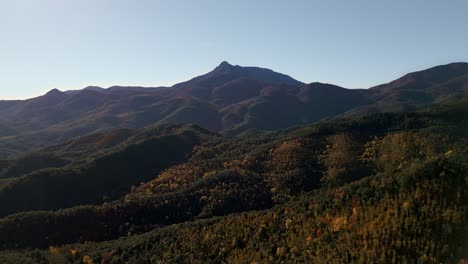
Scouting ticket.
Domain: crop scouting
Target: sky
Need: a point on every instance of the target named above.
(71, 44)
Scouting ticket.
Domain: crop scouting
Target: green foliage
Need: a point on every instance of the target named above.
(387, 188)
(342, 161)
(102, 178)
(365, 221)
(30, 163)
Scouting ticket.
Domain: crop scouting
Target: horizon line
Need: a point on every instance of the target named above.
(107, 85)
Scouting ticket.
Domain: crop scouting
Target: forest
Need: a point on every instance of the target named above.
(383, 188)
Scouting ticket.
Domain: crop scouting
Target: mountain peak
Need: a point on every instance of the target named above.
(226, 72)
(223, 66)
(54, 92)
(51, 97)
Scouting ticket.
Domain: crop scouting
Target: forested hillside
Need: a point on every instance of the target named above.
(100, 175)
(384, 188)
(230, 100)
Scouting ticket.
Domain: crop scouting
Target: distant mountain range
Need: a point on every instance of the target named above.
(230, 99)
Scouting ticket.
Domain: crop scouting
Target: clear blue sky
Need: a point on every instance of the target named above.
(62, 44)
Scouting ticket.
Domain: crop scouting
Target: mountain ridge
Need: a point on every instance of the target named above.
(230, 99)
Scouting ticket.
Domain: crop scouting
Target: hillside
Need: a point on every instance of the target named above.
(387, 187)
(230, 100)
(98, 176)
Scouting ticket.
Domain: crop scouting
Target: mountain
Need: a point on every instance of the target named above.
(230, 99)
(319, 173)
(427, 78)
(416, 89)
(386, 186)
(226, 73)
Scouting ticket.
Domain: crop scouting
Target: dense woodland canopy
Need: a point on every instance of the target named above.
(384, 188)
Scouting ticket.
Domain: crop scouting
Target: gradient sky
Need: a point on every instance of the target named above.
(70, 44)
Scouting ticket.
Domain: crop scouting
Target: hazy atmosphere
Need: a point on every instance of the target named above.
(355, 44)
